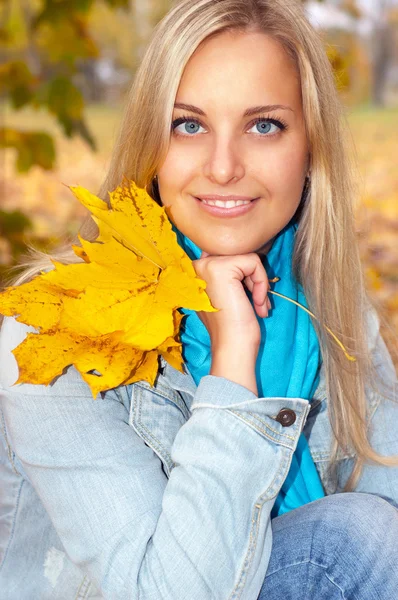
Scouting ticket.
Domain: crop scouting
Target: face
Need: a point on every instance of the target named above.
(215, 149)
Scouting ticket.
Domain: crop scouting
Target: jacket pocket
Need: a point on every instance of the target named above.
(156, 414)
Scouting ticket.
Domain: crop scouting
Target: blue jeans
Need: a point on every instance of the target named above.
(340, 547)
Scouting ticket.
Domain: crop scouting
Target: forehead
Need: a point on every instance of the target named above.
(235, 67)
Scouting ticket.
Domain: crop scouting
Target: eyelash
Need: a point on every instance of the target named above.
(279, 122)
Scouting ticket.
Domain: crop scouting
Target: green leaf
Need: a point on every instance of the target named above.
(60, 10)
(64, 42)
(43, 150)
(33, 148)
(17, 80)
(118, 3)
(64, 99)
(20, 96)
(77, 126)
(13, 222)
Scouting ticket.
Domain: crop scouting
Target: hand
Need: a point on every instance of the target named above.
(236, 320)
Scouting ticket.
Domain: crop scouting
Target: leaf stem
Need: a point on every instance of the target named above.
(352, 358)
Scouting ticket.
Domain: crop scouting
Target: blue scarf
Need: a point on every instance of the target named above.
(288, 359)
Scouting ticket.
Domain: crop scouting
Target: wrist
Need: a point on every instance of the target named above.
(236, 365)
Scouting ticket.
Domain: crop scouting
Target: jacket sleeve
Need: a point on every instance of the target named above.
(203, 533)
(383, 421)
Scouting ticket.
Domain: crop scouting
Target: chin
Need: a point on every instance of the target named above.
(227, 251)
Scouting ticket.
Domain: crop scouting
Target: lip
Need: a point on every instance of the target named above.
(224, 198)
(219, 211)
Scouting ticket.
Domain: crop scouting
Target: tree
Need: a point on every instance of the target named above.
(382, 41)
(383, 49)
(44, 42)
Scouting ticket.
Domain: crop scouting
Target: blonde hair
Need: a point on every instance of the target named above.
(326, 257)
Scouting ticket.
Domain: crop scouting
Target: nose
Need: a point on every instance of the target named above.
(224, 163)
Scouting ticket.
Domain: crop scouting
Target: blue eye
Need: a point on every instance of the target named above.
(192, 125)
(266, 126)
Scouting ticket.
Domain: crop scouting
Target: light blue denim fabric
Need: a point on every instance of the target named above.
(165, 493)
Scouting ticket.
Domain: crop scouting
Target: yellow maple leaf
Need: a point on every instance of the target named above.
(113, 314)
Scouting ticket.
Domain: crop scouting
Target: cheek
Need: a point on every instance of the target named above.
(175, 173)
(285, 170)
(295, 157)
(174, 186)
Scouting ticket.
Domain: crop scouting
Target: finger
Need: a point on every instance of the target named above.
(260, 285)
(248, 283)
(204, 254)
(259, 293)
(261, 309)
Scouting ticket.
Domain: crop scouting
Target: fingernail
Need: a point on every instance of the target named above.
(269, 303)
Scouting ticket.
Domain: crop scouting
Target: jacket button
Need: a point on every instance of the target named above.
(286, 417)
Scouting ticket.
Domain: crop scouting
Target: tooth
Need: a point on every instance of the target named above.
(226, 204)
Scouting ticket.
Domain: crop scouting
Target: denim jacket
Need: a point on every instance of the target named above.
(158, 493)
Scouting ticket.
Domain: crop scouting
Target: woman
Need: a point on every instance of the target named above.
(226, 481)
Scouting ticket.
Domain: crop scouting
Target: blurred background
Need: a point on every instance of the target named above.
(66, 65)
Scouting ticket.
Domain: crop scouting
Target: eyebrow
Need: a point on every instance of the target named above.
(248, 113)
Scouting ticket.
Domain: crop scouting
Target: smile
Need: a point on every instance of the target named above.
(228, 208)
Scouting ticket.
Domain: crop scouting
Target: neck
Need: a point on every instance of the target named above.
(263, 250)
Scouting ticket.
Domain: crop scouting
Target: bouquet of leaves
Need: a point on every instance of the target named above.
(112, 314)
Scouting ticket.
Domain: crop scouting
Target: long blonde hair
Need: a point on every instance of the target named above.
(326, 257)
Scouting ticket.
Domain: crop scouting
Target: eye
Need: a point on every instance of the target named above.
(192, 125)
(265, 125)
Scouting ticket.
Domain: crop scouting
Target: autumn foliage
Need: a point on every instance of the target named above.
(114, 312)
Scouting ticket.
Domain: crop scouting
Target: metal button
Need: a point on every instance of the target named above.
(286, 417)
